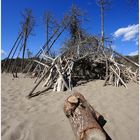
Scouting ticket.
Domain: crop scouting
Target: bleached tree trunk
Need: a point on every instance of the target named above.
(48, 78)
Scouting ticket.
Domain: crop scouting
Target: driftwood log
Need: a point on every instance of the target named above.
(86, 123)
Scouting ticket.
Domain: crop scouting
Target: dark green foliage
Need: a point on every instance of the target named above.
(135, 58)
(12, 62)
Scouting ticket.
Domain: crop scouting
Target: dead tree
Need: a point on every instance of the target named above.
(57, 32)
(20, 43)
(75, 17)
(51, 26)
(103, 4)
(27, 27)
(75, 23)
(86, 122)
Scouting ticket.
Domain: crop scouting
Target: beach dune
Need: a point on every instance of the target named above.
(42, 117)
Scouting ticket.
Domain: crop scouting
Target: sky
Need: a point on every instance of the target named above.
(121, 22)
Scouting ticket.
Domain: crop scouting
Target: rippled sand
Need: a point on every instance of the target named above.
(42, 117)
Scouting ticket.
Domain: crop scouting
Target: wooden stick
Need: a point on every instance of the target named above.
(61, 75)
(118, 76)
(107, 68)
(30, 64)
(56, 38)
(41, 63)
(44, 46)
(106, 80)
(48, 57)
(60, 86)
(38, 73)
(48, 78)
(31, 92)
(44, 70)
(13, 48)
(10, 61)
(70, 75)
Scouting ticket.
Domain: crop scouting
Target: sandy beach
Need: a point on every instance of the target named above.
(42, 117)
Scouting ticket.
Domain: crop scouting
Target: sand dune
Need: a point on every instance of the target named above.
(42, 117)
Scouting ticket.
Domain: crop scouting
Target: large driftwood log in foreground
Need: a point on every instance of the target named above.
(87, 123)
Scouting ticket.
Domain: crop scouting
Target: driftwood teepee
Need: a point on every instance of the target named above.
(93, 62)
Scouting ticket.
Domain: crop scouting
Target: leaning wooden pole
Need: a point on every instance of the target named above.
(31, 92)
(44, 46)
(47, 72)
(56, 39)
(85, 121)
(47, 33)
(14, 67)
(25, 41)
(14, 44)
(7, 59)
(40, 51)
(127, 59)
(10, 60)
(102, 22)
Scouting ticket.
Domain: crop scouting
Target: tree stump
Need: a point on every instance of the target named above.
(86, 123)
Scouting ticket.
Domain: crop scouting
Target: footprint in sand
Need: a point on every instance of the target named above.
(16, 131)
(4, 129)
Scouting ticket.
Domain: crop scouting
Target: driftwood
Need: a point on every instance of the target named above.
(64, 73)
(41, 63)
(86, 123)
(118, 76)
(84, 60)
(31, 92)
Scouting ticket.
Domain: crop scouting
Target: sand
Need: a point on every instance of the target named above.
(42, 117)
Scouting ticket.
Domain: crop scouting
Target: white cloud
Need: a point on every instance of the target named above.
(2, 52)
(133, 53)
(127, 33)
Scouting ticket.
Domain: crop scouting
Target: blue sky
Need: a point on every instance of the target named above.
(121, 22)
